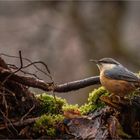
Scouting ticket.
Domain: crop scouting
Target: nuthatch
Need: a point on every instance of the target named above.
(116, 78)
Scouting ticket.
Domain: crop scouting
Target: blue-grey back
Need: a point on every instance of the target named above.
(121, 73)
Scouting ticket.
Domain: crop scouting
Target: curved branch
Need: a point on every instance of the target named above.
(75, 85)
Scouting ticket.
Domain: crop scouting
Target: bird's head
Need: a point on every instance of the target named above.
(106, 63)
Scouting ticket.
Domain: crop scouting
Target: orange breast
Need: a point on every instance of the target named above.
(118, 87)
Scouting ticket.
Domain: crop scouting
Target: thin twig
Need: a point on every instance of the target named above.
(28, 60)
(20, 123)
(21, 62)
(24, 72)
(38, 62)
(23, 117)
(10, 123)
(4, 102)
(14, 71)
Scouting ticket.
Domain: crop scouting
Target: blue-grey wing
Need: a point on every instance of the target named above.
(121, 73)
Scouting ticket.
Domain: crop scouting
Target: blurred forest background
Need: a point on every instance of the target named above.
(66, 35)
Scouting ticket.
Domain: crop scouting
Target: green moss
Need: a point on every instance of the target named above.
(46, 124)
(51, 132)
(57, 105)
(51, 105)
(93, 100)
(95, 94)
(52, 110)
(86, 108)
(70, 107)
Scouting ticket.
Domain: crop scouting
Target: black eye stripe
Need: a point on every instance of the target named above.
(107, 62)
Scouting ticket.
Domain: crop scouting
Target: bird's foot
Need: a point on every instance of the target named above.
(115, 98)
(109, 101)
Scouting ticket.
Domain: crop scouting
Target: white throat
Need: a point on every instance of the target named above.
(106, 66)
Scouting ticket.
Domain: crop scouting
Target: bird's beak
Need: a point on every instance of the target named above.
(95, 61)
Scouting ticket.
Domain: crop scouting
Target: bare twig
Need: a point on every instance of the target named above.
(8, 124)
(3, 89)
(38, 62)
(4, 102)
(23, 67)
(23, 117)
(34, 64)
(19, 123)
(8, 76)
(21, 62)
(24, 72)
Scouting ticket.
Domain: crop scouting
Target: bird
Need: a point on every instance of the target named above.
(116, 78)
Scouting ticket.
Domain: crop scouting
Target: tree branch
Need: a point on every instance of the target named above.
(75, 85)
(36, 83)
